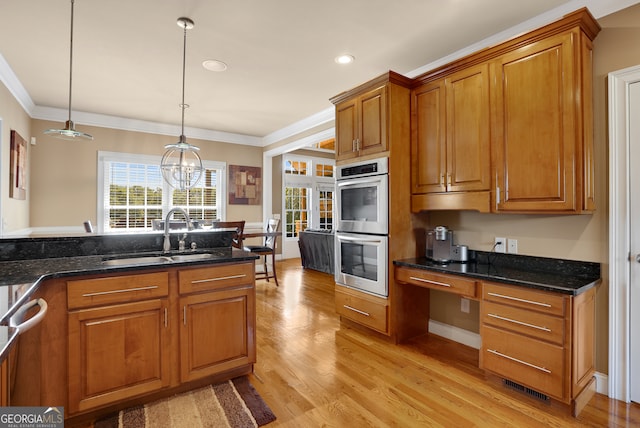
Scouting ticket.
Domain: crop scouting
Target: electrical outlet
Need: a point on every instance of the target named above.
(464, 305)
(512, 246)
(500, 245)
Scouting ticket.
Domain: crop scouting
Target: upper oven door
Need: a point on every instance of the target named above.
(363, 205)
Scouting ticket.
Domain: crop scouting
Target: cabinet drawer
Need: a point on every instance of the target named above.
(532, 363)
(215, 277)
(362, 309)
(541, 326)
(527, 298)
(448, 283)
(84, 293)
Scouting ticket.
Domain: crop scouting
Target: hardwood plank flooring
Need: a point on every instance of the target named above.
(314, 371)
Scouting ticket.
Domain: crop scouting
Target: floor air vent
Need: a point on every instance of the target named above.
(535, 394)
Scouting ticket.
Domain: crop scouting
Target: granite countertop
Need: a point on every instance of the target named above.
(26, 263)
(557, 275)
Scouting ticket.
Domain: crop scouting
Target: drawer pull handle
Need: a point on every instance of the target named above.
(356, 310)
(124, 290)
(542, 369)
(442, 284)
(166, 318)
(519, 322)
(502, 296)
(222, 278)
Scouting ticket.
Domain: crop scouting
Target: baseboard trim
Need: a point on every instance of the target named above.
(602, 383)
(456, 334)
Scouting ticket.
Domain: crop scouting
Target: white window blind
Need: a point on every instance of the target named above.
(132, 193)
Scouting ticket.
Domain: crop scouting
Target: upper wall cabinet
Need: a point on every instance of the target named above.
(543, 126)
(509, 128)
(450, 141)
(364, 115)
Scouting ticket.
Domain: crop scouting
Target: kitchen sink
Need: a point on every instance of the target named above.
(143, 260)
(190, 257)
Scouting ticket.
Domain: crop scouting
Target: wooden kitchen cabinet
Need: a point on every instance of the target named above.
(362, 308)
(542, 124)
(509, 129)
(119, 337)
(540, 340)
(450, 142)
(218, 319)
(365, 115)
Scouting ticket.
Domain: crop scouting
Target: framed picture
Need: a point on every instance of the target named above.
(18, 174)
(245, 185)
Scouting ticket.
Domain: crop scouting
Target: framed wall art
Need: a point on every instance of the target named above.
(18, 162)
(245, 185)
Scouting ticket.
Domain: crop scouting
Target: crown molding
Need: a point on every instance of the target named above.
(15, 87)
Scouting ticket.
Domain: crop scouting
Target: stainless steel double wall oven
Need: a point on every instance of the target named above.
(363, 226)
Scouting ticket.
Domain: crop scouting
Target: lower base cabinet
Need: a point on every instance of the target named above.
(117, 352)
(218, 325)
(363, 308)
(541, 340)
(136, 334)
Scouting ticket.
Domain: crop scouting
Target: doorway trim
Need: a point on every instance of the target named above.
(619, 232)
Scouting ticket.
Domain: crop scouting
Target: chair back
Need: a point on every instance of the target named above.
(237, 239)
(272, 227)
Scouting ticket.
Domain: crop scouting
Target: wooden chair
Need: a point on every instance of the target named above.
(236, 241)
(268, 249)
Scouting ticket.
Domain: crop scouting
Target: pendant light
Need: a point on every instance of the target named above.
(69, 132)
(181, 165)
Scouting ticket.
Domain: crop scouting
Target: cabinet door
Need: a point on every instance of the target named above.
(346, 129)
(535, 122)
(468, 130)
(117, 352)
(217, 333)
(372, 136)
(428, 149)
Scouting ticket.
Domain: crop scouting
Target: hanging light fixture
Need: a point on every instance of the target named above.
(181, 165)
(69, 132)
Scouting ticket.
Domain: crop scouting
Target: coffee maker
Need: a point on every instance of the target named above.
(440, 247)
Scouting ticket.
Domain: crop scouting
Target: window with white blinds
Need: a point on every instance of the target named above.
(132, 193)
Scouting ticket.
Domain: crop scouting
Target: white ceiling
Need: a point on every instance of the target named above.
(280, 53)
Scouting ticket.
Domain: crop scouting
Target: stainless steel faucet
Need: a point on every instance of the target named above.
(167, 242)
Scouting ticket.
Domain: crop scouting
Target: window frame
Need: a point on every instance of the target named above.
(167, 198)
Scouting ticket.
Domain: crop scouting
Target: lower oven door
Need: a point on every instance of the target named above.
(361, 262)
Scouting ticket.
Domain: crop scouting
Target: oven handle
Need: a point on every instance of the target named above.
(355, 181)
(350, 239)
(16, 319)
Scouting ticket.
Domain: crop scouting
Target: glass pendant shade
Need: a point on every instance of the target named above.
(68, 132)
(181, 165)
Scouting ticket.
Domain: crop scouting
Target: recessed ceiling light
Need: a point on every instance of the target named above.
(345, 59)
(214, 65)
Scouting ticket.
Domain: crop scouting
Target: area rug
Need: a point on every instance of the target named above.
(234, 404)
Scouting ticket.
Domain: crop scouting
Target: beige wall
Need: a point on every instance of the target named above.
(14, 213)
(576, 237)
(64, 173)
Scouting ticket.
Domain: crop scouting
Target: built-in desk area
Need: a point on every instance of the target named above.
(537, 317)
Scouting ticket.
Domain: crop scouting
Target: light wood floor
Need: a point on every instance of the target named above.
(313, 371)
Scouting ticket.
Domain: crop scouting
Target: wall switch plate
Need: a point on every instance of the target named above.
(500, 245)
(512, 246)
(464, 305)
